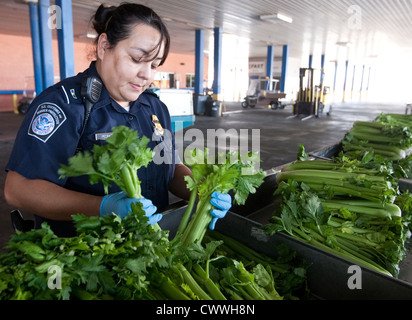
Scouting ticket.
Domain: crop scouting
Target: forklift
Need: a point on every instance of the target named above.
(311, 98)
(263, 92)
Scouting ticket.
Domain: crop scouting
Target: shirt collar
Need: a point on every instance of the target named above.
(144, 100)
(105, 99)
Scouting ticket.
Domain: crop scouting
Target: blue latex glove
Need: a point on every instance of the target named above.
(222, 203)
(121, 205)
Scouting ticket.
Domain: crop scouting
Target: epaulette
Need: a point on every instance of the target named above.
(151, 92)
(71, 92)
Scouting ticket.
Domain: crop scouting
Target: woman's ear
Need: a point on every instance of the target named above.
(102, 46)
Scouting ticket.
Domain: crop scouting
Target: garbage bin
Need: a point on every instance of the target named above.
(212, 107)
(199, 104)
(215, 110)
(208, 105)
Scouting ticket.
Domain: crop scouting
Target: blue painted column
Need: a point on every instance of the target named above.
(322, 66)
(353, 82)
(334, 79)
(199, 60)
(310, 61)
(269, 66)
(46, 45)
(285, 58)
(35, 40)
(361, 84)
(217, 87)
(367, 85)
(65, 38)
(199, 98)
(344, 83)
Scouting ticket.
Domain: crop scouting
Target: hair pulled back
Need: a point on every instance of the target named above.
(117, 23)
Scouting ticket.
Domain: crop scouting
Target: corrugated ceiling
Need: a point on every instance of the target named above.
(318, 25)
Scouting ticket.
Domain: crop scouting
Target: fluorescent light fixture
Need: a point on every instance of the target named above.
(276, 18)
(343, 43)
(88, 35)
(91, 35)
(284, 18)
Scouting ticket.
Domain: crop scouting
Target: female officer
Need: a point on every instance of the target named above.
(132, 43)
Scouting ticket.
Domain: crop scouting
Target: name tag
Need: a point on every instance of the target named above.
(102, 136)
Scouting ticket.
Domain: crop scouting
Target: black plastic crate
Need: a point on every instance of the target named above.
(328, 275)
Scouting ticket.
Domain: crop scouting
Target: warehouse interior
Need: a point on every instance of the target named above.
(371, 36)
(359, 52)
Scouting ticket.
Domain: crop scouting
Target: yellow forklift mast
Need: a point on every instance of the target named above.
(311, 98)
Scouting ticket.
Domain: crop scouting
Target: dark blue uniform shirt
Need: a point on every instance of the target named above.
(50, 134)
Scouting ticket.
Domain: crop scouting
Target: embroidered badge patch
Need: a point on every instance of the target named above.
(46, 120)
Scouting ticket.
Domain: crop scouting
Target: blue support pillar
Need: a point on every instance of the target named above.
(310, 61)
(46, 45)
(285, 58)
(334, 79)
(344, 83)
(269, 66)
(353, 82)
(199, 98)
(199, 60)
(65, 38)
(35, 40)
(322, 67)
(367, 85)
(217, 65)
(361, 84)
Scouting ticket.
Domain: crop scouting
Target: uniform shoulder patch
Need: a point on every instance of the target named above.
(46, 120)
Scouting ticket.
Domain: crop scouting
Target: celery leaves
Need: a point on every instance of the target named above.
(231, 171)
(117, 161)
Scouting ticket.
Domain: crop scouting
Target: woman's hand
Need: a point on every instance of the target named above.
(222, 202)
(121, 205)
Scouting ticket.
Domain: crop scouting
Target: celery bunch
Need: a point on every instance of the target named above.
(113, 258)
(389, 136)
(115, 162)
(232, 171)
(346, 207)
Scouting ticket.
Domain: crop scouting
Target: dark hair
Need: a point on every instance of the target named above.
(117, 22)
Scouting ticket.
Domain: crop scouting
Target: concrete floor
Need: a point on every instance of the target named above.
(279, 135)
